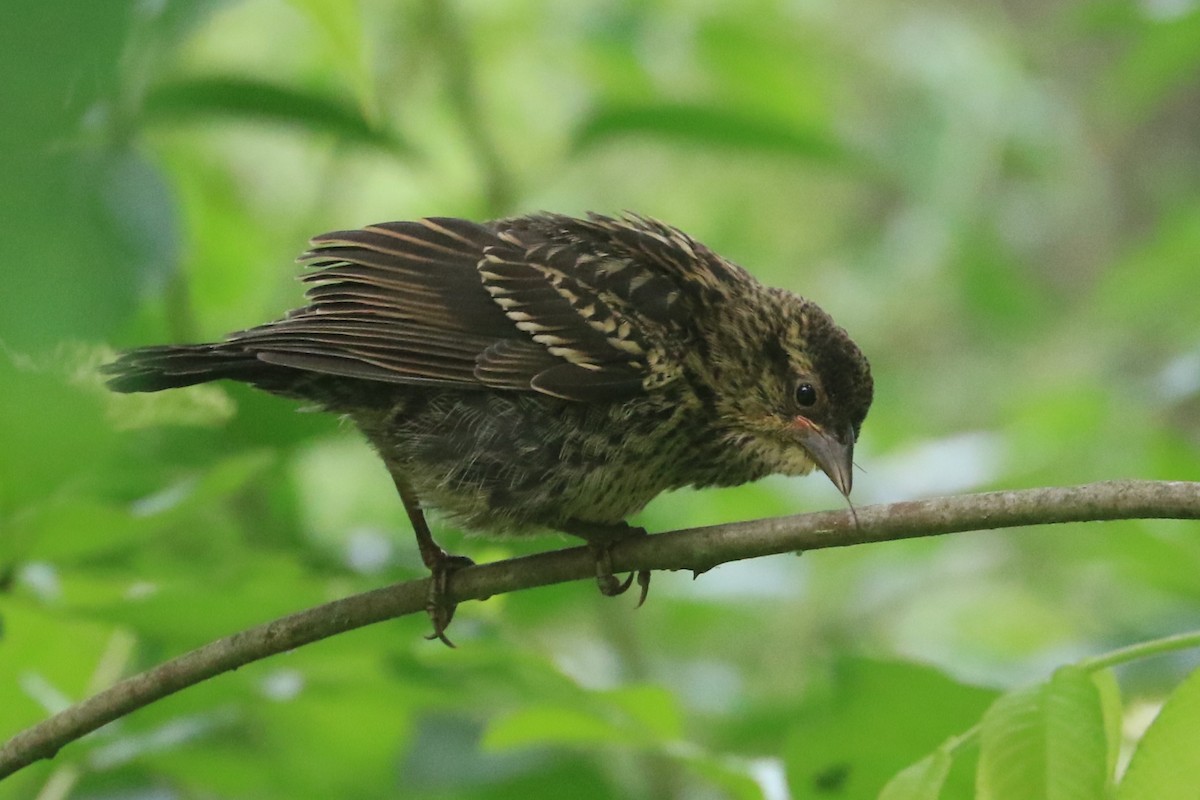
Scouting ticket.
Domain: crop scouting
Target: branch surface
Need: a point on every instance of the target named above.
(696, 549)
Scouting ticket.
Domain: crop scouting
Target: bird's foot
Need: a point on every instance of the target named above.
(601, 539)
(440, 563)
(605, 579)
(437, 604)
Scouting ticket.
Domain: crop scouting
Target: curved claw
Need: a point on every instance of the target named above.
(440, 634)
(643, 579)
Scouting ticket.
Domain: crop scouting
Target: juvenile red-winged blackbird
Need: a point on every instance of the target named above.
(547, 372)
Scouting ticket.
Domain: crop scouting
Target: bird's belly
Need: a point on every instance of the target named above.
(603, 495)
(506, 462)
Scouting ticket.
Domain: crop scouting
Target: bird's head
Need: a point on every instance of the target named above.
(796, 394)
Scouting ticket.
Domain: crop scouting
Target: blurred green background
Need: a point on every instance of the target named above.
(1000, 200)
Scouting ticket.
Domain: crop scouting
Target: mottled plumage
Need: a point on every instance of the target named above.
(547, 371)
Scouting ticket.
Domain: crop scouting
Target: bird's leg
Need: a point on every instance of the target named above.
(441, 564)
(600, 538)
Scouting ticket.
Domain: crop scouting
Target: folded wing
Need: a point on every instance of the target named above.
(454, 303)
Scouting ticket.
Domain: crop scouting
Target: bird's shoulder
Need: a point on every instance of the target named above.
(627, 289)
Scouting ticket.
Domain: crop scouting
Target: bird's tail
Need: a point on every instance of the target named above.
(152, 369)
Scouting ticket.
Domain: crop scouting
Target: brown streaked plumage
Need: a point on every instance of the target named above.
(547, 371)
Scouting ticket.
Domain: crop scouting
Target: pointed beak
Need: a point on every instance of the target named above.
(834, 456)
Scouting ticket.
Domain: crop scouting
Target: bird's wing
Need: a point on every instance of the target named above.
(453, 303)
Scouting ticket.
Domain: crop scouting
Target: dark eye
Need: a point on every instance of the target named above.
(806, 395)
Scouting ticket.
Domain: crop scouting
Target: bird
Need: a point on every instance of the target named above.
(545, 372)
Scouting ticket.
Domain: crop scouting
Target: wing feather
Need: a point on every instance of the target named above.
(580, 309)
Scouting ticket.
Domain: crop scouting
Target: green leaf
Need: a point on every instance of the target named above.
(650, 707)
(1166, 764)
(228, 476)
(922, 780)
(732, 776)
(629, 715)
(551, 725)
(1045, 741)
(249, 98)
(1163, 58)
(1168, 252)
(76, 528)
(39, 648)
(877, 718)
(54, 435)
(713, 127)
(341, 22)
(1114, 713)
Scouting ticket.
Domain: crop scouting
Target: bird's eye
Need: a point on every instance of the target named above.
(806, 395)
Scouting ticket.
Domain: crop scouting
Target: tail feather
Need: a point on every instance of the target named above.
(152, 369)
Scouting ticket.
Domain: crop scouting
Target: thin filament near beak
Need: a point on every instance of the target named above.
(853, 513)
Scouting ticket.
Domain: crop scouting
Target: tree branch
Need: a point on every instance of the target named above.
(697, 549)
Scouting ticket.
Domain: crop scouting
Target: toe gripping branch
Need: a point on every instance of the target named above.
(601, 537)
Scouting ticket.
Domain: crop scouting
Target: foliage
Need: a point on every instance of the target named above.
(1000, 201)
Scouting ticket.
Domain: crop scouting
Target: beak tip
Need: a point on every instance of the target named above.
(843, 481)
(833, 456)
